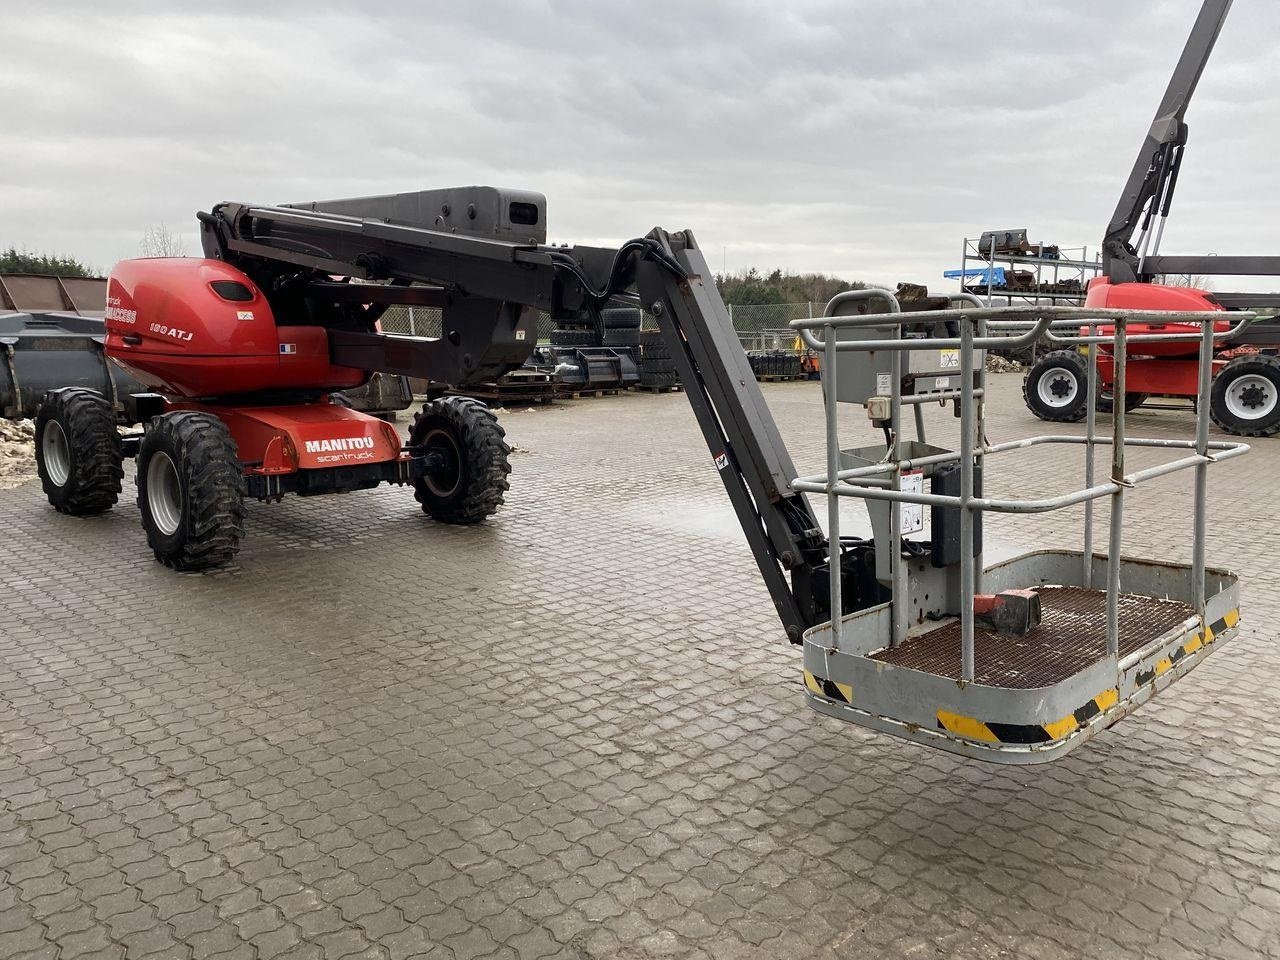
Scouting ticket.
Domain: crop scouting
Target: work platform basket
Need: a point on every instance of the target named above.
(1114, 630)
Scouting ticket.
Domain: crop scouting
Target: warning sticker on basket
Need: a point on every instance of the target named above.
(884, 384)
(949, 359)
(911, 515)
(722, 461)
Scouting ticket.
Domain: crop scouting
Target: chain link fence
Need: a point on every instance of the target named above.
(425, 322)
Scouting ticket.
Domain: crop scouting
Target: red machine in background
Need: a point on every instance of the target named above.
(1245, 396)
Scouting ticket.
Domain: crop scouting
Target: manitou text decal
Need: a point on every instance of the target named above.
(346, 443)
(118, 313)
(171, 332)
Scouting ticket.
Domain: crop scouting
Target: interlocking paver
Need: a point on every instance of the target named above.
(576, 732)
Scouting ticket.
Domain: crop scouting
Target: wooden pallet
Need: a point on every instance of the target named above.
(586, 393)
(506, 399)
(523, 390)
(780, 377)
(661, 388)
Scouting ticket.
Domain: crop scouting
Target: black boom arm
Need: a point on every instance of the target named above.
(306, 259)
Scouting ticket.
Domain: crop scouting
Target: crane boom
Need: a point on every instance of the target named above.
(1149, 189)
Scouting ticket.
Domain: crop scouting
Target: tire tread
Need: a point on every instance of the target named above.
(97, 463)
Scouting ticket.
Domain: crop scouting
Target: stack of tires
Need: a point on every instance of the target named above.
(563, 337)
(657, 366)
(621, 328)
(775, 364)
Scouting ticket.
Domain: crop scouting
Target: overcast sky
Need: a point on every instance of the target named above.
(863, 138)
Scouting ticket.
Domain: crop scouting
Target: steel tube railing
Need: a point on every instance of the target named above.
(1226, 448)
(1037, 319)
(966, 495)
(833, 498)
(999, 505)
(882, 481)
(1202, 469)
(1120, 482)
(897, 567)
(919, 399)
(1090, 434)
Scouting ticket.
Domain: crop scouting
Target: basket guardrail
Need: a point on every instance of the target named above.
(983, 328)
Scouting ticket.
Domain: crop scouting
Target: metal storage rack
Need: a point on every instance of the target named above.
(916, 666)
(1073, 264)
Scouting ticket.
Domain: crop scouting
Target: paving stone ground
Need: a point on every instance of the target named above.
(577, 732)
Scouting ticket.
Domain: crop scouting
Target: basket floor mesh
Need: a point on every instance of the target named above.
(1072, 635)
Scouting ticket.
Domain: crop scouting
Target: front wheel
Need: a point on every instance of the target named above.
(1056, 387)
(190, 491)
(1245, 399)
(468, 476)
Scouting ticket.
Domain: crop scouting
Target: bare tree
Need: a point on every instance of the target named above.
(160, 241)
(1193, 280)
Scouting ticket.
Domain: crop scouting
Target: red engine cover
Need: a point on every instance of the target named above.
(192, 328)
(1153, 296)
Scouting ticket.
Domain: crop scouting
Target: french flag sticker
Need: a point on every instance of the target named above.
(288, 348)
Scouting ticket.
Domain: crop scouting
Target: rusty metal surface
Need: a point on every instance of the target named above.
(35, 292)
(1071, 637)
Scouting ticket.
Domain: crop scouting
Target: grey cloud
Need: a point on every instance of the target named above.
(862, 138)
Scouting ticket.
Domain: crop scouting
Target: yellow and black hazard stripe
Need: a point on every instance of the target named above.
(841, 692)
(1203, 639)
(1027, 733)
(1030, 733)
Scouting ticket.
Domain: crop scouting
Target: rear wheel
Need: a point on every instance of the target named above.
(1056, 387)
(78, 453)
(470, 444)
(190, 491)
(1245, 398)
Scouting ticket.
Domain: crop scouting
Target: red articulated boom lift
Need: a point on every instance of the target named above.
(1245, 397)
(244, 351)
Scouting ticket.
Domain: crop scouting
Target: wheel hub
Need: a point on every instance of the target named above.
(1252, 397)
(444, 472)
(164, 494)
(56, 452)
(1058, 387)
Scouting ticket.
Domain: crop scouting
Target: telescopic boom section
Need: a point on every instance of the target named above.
(740, 432)
(1149, 189)
(489, 292)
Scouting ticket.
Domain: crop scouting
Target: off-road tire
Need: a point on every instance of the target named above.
(468, 432)
(657, 365)
(78, 452)
(653, 345)
(1231, 390)
(1067, 375)
(621, 318)
(1132, 401)
(621, 338)
(210, 491)
(573, 338)
(668, 378)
